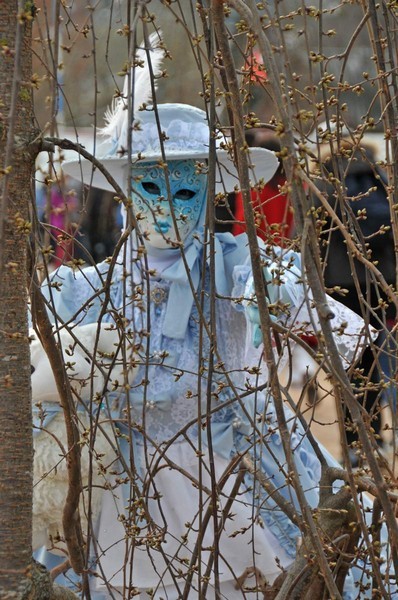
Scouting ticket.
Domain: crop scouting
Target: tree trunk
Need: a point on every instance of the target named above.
(16, 455)
(21, 578)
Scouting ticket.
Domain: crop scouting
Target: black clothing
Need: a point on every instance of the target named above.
(359, 175)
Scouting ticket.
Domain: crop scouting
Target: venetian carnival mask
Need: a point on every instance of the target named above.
(154, 207)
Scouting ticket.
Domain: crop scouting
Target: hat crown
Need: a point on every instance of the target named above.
(183, 132)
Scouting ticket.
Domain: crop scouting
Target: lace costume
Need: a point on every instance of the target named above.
(175, 427)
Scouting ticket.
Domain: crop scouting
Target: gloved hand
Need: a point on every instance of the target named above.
(278, 301)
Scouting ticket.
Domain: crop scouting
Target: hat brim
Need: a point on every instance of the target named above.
(263, 166)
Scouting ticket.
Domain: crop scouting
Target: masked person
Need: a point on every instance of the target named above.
(178, 511)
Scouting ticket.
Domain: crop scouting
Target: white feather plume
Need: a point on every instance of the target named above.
(116, 116)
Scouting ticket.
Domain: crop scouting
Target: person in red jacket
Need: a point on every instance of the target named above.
(274, 215)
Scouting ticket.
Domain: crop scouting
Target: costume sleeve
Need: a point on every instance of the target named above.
(76, 294)
(292, 305)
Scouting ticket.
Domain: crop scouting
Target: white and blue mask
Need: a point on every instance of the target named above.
(155, 206)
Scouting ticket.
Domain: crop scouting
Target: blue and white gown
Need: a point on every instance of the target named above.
(179, 435)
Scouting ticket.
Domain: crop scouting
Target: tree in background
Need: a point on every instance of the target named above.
(17, 164)
(20, 576)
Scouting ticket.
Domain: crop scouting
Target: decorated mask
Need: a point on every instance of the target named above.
(154, 207)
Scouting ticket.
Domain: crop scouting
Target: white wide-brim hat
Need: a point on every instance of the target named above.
(185, 135)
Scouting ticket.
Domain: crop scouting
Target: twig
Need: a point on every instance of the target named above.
(71, 519)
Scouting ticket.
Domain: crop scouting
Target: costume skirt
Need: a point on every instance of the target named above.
(167, 540)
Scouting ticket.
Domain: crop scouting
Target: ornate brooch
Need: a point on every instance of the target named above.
(158, 295)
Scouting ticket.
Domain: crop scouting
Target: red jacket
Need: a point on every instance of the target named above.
(274, 216)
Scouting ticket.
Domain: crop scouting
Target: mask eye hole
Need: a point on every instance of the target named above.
(32, 369)
(151, 188)
(184, 194)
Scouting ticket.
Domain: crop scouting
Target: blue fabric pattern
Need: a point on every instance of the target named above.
(164, 399)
